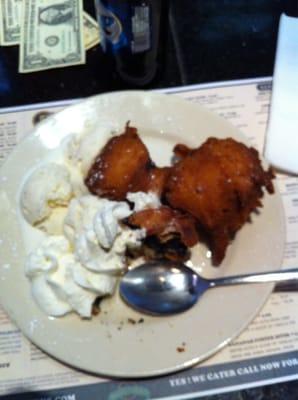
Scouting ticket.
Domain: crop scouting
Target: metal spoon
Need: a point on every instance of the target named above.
(165, 288)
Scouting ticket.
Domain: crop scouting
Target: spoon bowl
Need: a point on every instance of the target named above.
(166, 287)
(161, 288)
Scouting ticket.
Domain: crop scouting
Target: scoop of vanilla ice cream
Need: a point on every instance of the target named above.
(53, 225)
(60, 284)
(46, 188)
(99, 241)
(142, 200)
(79, 153)
(82, 150)
(77, 180)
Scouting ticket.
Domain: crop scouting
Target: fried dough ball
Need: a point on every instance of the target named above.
(220, 184)
(116, 166)
(164, 222)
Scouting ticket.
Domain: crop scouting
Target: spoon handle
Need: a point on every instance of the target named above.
(285, 275)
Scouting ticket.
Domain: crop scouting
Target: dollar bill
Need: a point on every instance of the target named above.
(51, 35)
(10, 21)
(91, 31)
(11, 34)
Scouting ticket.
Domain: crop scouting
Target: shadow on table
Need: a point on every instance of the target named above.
(25, 393)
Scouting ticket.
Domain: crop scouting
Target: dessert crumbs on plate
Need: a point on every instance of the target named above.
(180, 349)
(133, 321)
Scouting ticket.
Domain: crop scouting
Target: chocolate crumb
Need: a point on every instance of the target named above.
(131, 321)
(180, 349)
(141, 320)
(96, 307)
(95, 311)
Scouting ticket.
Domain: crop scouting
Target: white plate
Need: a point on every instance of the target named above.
(109, 344)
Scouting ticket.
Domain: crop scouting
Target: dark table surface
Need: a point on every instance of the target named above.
(209, 40)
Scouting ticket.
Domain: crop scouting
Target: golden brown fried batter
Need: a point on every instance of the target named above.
(123, 166)
(181, 150)
(116, 166)
(164, 222)
(220, 184)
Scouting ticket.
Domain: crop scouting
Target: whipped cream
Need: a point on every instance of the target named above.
(60, 284)
(92, 225)
(69, 272)
(47, 188)
(142, 200)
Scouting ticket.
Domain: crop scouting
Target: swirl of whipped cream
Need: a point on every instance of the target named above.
(99, 239)
(60, 284)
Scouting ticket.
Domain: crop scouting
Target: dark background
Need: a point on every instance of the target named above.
(209, 40)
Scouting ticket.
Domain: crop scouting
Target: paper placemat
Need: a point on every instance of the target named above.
(266, 352)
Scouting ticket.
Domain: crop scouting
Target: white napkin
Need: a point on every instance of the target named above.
(281, 148)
